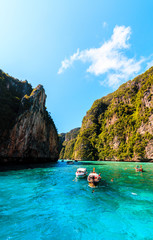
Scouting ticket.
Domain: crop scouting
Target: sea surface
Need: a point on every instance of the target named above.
(50, 203)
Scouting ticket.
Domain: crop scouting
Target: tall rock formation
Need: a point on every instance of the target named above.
(120, 125)
(27, 132)
(67, 142)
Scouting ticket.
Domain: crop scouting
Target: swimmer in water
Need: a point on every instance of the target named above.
(137, 168)
(141, 169)
(112, 180)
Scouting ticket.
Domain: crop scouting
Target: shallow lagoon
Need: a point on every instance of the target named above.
(49, 203)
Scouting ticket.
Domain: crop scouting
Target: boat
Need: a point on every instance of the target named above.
(94, 178)
(70, 162)
(81, 172)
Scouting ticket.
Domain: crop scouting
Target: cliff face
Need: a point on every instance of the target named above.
(120, 125)
(31, 133)
(67, 141)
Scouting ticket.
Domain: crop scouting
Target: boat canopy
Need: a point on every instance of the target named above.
(93, 174)
(81, 170)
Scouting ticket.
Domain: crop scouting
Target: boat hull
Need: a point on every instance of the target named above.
(81, 172)
(94, 182)
(81, 175)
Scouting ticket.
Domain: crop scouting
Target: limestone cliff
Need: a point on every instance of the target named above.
(67, 142)
(29, 134)
(120, 125)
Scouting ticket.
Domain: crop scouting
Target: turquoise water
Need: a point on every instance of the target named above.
(49, 203)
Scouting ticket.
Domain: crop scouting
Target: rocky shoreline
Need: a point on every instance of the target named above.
(24, 160)
(16, 163)
(117, 160)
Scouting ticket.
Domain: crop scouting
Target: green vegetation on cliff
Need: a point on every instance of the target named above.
(11, 93)
(67, 142)
(120, 125)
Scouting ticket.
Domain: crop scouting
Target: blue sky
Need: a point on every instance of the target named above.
(78, 50)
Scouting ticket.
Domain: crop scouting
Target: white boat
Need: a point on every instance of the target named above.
(81, 172)
(94, 177)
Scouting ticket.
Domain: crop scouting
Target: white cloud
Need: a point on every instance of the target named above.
(109, 59)
(150, 64)
(68, 62)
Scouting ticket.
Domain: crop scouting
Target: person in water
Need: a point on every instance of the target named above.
(141, 169)
(137, 168)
